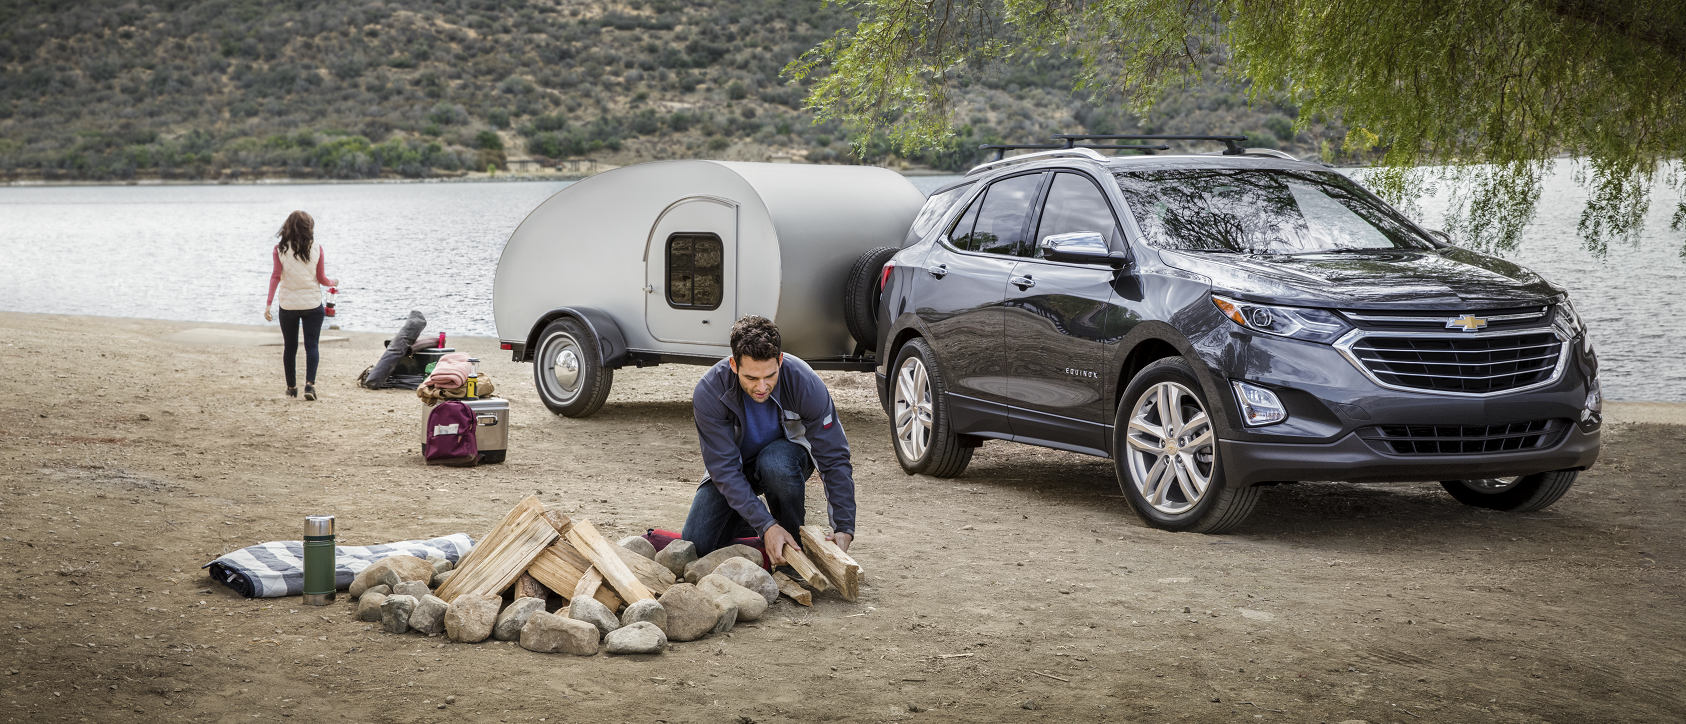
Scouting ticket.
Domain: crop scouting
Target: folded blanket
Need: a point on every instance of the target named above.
(272, 570)
(431, 395)
(451, 371)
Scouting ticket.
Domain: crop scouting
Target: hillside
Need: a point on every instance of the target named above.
(214, 89)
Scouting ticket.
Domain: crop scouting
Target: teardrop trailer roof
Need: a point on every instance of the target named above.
(657, 260)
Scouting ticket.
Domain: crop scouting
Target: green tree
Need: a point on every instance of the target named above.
(1478, 96)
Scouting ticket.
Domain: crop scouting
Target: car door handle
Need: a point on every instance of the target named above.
(939, 271)
(1023, 283)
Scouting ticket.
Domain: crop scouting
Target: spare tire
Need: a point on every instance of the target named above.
(862, 293)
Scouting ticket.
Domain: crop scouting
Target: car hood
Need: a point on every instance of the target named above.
(1448, 278)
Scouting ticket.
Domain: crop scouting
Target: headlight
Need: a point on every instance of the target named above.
(1312, 325)
(1572, 325)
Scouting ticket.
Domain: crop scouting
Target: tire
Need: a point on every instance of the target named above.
(493, 457)
(862, 294)
(1521, 494)
(567, 372)
(920, 428)
(1178, 502)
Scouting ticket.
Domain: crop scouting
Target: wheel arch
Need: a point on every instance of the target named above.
(1150, 342)
(611, 343)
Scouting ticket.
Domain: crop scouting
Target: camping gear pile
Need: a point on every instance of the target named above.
(455, 376)
(627, 597)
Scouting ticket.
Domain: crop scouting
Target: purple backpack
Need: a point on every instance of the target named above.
(450, 436)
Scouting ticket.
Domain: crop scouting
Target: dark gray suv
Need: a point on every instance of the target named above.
(1219, 323)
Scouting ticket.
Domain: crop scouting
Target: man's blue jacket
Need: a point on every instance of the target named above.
(809, 419)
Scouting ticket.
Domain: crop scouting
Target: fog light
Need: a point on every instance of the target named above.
(1594, 411)
(1259, 406)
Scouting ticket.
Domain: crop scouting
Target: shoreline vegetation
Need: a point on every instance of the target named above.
(210, 90)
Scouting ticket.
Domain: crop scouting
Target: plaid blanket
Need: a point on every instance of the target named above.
(272, 570)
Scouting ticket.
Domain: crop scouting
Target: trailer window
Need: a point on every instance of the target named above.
(694, 271)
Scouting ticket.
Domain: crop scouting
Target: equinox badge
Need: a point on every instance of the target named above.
(1468, 322)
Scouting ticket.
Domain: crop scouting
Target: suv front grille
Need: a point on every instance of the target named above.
(1467, 365)
(1463, 439)
(1492, 320)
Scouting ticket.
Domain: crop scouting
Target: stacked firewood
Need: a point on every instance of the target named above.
(625, 597)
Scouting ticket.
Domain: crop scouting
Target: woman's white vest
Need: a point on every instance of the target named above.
(298, 289)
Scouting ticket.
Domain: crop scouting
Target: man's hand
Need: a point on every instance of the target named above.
(774, 541)
(841, 539)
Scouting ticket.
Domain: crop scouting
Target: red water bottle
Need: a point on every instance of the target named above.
(333, 299)
(441, 340)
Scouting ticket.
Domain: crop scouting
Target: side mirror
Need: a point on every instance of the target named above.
(1081, 247)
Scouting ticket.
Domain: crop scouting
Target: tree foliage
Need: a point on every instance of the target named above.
(1477, 96)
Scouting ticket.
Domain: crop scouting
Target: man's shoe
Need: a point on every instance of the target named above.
(310, 392)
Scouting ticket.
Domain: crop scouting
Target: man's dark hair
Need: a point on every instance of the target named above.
(756, 338)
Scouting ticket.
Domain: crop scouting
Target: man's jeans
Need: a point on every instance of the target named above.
(778, 472)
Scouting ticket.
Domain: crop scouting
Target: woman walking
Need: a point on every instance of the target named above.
(299, 266)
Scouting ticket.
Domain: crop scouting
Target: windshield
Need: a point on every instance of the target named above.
(1258, 211)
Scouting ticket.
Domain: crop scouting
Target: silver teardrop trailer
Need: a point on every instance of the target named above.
(652, 263)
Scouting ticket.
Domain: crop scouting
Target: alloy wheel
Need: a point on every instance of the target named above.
(1171, 449)
(913, 409)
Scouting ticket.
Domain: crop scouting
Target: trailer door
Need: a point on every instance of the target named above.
(691, 273)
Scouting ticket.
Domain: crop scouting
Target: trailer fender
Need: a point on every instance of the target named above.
(611, 344)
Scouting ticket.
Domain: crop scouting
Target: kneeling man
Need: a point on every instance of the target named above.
(765, 420)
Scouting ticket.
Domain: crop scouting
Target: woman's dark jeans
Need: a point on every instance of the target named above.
(778, 472)
(290, 321)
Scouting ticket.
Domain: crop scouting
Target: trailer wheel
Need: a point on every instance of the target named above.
(567, 369)
(862, 294)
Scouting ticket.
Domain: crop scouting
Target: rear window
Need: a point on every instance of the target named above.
(1260, 211)
(932, 214)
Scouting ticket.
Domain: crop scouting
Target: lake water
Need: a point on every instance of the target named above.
(202, 253)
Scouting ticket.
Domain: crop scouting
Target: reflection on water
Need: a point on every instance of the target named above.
(201, 253)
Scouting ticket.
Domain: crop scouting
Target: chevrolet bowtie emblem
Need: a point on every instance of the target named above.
(1468, 322)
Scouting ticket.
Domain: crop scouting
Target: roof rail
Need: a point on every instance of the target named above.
(1231, 147)
(1060, 152)
(1270, 152)
(1002, 149)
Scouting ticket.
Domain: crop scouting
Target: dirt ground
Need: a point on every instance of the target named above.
(1023, 591)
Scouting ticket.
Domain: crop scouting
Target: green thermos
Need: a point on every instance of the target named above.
(318, 560)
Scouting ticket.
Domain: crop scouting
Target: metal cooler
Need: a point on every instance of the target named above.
(491, 426)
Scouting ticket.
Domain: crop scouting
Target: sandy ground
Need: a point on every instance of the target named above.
(128, 462)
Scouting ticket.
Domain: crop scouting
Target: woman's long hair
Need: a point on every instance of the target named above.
(297, 233)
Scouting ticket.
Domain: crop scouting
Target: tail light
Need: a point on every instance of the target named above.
(507, 345)
(884, 278)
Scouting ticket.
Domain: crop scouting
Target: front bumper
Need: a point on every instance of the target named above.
(1350, 459)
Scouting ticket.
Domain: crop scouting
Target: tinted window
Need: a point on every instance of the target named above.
(962, 231)
(1001, 221)
(1074, 204)
(694, 271)
(935, 209)
(1262, 211)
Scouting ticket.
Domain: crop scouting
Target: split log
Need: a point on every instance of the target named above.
(842, 570)
(558, 520)
(805, 566)
(591, 544)
(502, 554)
(560, 568)
(790, 588)
(528, 587)
(653, 575)
(589, 583)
